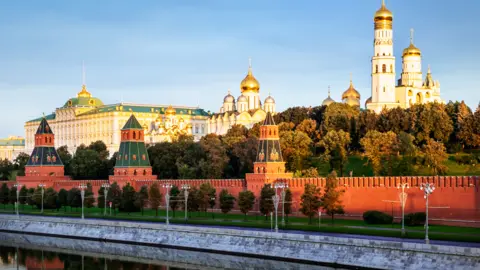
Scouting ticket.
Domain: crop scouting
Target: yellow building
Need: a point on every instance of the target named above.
(11, 147)
(84, 119)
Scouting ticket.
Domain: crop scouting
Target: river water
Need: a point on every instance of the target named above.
(20, 251)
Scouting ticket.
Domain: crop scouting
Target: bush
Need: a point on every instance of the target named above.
(415, 219)
(377, 217)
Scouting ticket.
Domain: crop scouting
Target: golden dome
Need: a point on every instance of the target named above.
(170, 111)
(383, 17)
(84, 92)
(328, 100)
(351, 92)
(412, 50)
(249, 83)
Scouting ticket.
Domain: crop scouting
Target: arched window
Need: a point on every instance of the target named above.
(384, 68)
(134, 135)
(391, 68)
(376, 68)
(384, 89)
(270, 133)
(46, 140)
(383, 54)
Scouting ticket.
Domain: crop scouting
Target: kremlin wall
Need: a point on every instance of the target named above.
(456, 199)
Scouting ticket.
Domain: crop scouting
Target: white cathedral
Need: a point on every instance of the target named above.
(410, 89)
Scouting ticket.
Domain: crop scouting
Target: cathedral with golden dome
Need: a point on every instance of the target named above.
(246, 110)
(387, 92)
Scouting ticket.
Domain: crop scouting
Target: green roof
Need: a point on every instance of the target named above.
(48, 117)
(12, 142)
(83, 102)
(145, 109)
(132, 123)
(132, 154)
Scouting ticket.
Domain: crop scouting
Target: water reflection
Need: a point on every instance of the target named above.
(18, 251)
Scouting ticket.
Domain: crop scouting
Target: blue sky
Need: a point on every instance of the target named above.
(192, 52)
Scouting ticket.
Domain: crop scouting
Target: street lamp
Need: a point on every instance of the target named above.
(282, 186)
(427, 189)
(403, 200)
(276, 200)
(167, 198)
(82, 188)
(105, 186)
(42, 186)
(185, 188)
(17, 204)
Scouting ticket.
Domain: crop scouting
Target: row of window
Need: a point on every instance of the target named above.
(384, 68)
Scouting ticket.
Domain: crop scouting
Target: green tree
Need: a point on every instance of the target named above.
(236, 134)
(6, 169)
(114, 196)
(435, 156)
(206, 193)
(378, 146)
(66, 158)
(193, 202)
(63, 198)
(87, 164)
(50, 199)
(266, 202)
(242, 156)
(30, 199)
(174, 198)
(310, 173)
(430, 121)
(246, 201)
(101, 198)
(216, 157)
(288, 203)
(163, 157)
(19, 163)
(338, 116)
(310, 201)
(74, 198)
(330, 201)
(309, 127)
(294, 115)
(101, 148)
(141, 198)
(12, 195)
(23, 195)
(296, 148)
(155, 197)
(227, 201)
(89, 199)
(128, 199)
(4, 192)
(335, 144)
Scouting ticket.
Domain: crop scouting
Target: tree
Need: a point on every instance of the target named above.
(30, 199)
(309, 127)
(114, 196)
(50, 199)
(206, 193)
(193, 202)
(296, 147)
(310, 201)
(66, 158)
(101, 198)
(227, 201)
(288, 203)
(214, 164)
(63, 198)
(430, 121)
(435, 156)
(6, 169)
(331, 202)
(163, 157)
(87, 164)
(338, 116)
(12, 195)
(174, 197)
(23, 195)
(246, 201)
(155, 197)
(378, 145)
(309, 173)
(266, 202)
(294, 115)
(19, 163)
(89, 199)
(128, 199)
(242, 156)
(236, 134)
(335, 144)
(74, 198)
(141, 198)
(4, 192)
(101, 148)
(406, 144)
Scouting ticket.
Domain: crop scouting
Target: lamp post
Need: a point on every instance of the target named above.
(167, 199)
(17, 204)
(42, 186)
(403, 200)
(105, 186)
(427, 189)
(319, 218)
(82, 188)
(185, 188)
(282, 186)
(276, 200)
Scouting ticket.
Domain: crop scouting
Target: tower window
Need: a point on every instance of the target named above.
(384, 68)
(383, 54)
(376, 69)
(391, 68)
(384, 89)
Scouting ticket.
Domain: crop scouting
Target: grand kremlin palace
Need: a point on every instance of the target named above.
(84, 118)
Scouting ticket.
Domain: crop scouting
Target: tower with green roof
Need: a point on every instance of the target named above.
(132, 162)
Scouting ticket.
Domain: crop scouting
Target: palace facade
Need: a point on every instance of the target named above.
(10, 147)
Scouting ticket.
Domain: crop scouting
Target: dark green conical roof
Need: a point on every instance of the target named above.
(44, 156)
(268, 120)
(44, 128)
(132, 123)
(132, 154)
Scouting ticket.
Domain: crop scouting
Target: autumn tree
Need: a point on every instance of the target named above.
(331, 202)
(309, 127)
(294, 115)
(227, 201)
(338, 116)
(430, 121)
(155, 197)
(236, 134)
(435, 156)
(310, 201)
(246, 201)
(310, 173)
(141, 198)
(296, 147)
(335, 144)
(378, 146)
(266, 202)
(207, 196)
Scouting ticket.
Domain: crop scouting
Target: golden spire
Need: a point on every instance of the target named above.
(429, 71)
(411, 35)
(84, 92)
(250, 66)
(329, 91)
(411, 49)
(249, 83)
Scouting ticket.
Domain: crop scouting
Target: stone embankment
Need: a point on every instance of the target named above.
(283, 246)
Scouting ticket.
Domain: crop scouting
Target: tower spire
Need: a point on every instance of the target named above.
(329, 91)
(411, 35)
(84, 92)
(383, 3)
(249, 66)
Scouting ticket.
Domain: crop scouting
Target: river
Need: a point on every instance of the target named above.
(20, 251)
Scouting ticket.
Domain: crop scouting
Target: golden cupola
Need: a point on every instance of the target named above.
(383, 17)
(84, 92)
(411, 49)
(250, 84)
(351, 96)
(170, 111)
